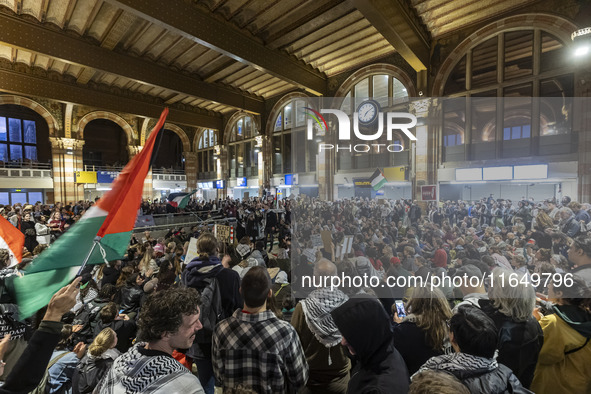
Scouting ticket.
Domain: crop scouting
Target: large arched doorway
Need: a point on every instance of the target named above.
(105, 144)
(168, 151)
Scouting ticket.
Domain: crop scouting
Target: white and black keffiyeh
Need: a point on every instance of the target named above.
(459, 362)
(317, 308)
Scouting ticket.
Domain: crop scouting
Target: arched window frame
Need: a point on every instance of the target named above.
(288, 134)
(513, 136)
(205, 154)
(243, 158)
(397, 100)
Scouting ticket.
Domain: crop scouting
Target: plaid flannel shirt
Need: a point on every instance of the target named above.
(260, 352)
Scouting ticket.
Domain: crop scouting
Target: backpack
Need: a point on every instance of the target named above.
(43, 386)
(211, 311)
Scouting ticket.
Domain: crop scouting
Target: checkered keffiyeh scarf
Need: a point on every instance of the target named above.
(317, 308)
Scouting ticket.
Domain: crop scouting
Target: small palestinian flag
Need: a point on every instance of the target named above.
(377, 180)
(180, 200)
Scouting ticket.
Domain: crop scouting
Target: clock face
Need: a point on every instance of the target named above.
(368, 112)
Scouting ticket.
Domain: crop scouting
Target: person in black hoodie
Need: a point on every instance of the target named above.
(380, 368)
(202, 268)
(111, 273)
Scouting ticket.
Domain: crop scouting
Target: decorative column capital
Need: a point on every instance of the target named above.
(66, 143)
(420, 108)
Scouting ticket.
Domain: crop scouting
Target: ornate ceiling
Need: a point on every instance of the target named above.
(209, 58)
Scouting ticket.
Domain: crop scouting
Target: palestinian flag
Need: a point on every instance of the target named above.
(13, 240)
(180, 200)
(377, 180)
(101, 235)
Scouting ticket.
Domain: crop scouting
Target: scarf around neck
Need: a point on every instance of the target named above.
(317, 308)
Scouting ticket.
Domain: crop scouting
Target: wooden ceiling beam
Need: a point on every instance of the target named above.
(36, 38)
(29, 85)
(198, 25)
(401, 27)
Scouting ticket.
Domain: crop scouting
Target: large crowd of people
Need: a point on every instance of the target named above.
(238, 318)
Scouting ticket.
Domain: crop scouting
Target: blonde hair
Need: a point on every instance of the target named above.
(516, 302)
(432, 311)
(103, 342)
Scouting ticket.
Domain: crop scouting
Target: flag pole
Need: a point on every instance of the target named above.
(97, 239)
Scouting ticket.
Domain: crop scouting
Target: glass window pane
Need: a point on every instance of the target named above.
(278, 123)
(248, 127)
(519, 50)
(4, 152)
(215, 137)
(518, 106)
(287, 114)
(211, 161)
(205, 140)
(312, 153)
(14, 128)
(400, 95)
(286, 153)
(454, 117)
(361, 92)
(3, 129)
(515, 132)
(484, 117)
(300, 113)
(484, 63)
(346, 104)
(31, 153)
(4, 198)
(35, 196)
(299, 144)
(248, 158)
(239, 129)
(30, 132)
(507, 133)
(211, 138)
(16, 152)
(277, 159)
(456, 82)
(18, 197)
(554, 54)
(526, 131)
(201, 142)
(240, 155)
(556, 105)
(380, 89)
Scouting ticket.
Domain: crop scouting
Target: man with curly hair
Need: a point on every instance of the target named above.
(168, 320)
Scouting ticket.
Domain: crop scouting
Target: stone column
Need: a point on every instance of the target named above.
(67, 159)
(191, 170)
(424, 166)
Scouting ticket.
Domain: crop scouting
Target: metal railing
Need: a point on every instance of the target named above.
(25, 165)
(88, 167)
(189, 219)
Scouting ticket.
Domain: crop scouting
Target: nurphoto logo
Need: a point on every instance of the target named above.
(367, 114)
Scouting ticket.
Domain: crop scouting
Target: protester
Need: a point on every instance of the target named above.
(367, 334)
(168, 321)
(97, 361)
(254, 348)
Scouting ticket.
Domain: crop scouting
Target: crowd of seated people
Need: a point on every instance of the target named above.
(227, 320)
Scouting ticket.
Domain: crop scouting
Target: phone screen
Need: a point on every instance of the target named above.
(400, 309)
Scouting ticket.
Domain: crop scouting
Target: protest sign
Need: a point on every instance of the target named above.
(326, 239)
(316, 240)
(191, 250)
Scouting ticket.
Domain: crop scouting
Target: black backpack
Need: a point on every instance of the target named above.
(211, 311)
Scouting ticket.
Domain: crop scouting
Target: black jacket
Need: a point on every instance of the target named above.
(365, 325)
(229, 286)
(411, 342)
(125, 330)
(519, 342)
(89, 373)
(110, 275)
(131, 298)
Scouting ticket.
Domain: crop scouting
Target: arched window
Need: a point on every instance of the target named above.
(243, 149)
(518, 66)
(205, 154)
(390, 94)
(292, 151)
